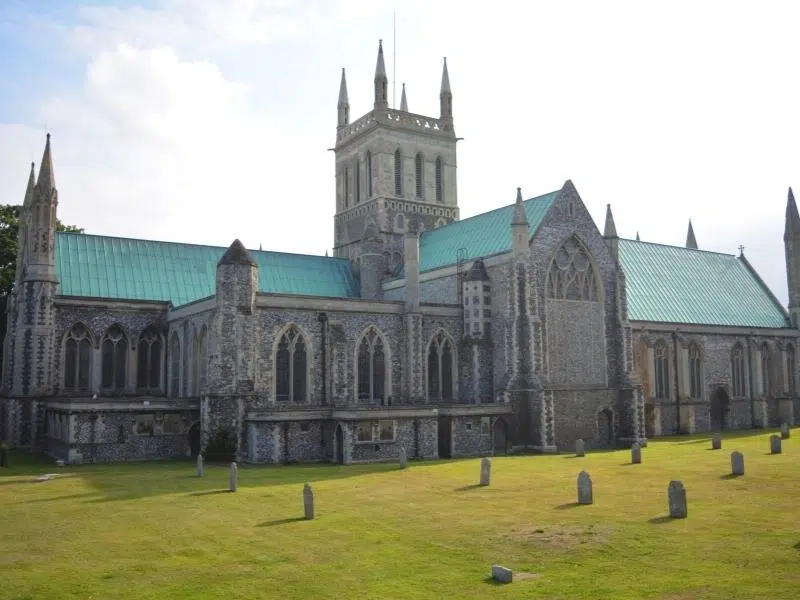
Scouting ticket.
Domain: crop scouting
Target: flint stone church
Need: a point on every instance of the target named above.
(523, 328)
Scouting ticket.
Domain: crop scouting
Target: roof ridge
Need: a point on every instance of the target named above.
(678, 247)
(194, 244)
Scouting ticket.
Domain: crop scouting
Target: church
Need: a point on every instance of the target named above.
(525, 328)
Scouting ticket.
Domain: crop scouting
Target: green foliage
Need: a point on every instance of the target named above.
(220, 448)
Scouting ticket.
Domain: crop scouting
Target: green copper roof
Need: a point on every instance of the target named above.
(482, 235)
(669, 284)
(108, 267)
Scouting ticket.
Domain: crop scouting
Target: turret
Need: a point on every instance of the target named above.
(610, 234)
(237, 278)
(446, 100)
(372, 261)
(381, 81)
(41, 223)
(343, 106)
(520, 228)
(477, 347)
(791, 241)
(691, 241)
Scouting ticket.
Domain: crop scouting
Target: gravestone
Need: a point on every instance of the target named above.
(584, 488)
(775, 444)
(502, 574)
(737, 463)
(786, 433)
(636, 454)
(486, 471)
(308, 501)
(403, 457)
(716, 442)
(676, 494)
(233, 480)
(199, 465)
(580, 448)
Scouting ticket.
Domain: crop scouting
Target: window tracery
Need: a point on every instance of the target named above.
(114, 359)
(737, 370)
(372, 366)
(77, 358)
(174, 365)
(572, 276)
(440, 368)
(661, 370)
(291, 367)
(149, 360)
(695, 383)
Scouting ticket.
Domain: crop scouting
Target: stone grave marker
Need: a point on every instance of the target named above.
(403, 457)
(486, 471)
(584, 488)
(716, 442)
(580, 448)
(233, 480)
(200, 465)
(737, 463)
(502, 574)
(308, 501)
(775, 444)
(636, 454)
(676, 494)
(786, 433)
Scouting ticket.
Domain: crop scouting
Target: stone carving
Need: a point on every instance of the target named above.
(737, 463)
(676, 494)
(580, 448)
(636, 454)
(199, 465)
(308, 502)
(403, 457)
(233, 479)
(502, 574)
(775, 444)
(716, 442)
(786, 433)
(584, 488)
(486, 471)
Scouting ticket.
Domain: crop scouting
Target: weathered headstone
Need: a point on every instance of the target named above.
(584, 488)
(775, 444)
(716, 442)
(502, 574)
(200, 465)
(308, 501)
(403, 457)
(786, 433)
(737, 463)
(676, 494)
(233, 480)
(580, 448)
(486, 471)
(636, 454)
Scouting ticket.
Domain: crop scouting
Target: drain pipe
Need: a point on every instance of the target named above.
(677, 389)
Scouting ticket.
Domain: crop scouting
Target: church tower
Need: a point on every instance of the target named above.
(395, 173)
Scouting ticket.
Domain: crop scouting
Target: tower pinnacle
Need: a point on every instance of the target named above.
(446, 100)
(403, 100)
(46, 181)
(381, 81)
(31, 184)
(610, 229)
(520, 218)
(792, 226)
(691, 241)
(343, 105)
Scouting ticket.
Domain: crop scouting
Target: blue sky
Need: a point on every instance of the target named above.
(206, 121)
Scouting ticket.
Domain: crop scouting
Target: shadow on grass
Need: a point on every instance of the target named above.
(492, 581)
(796, 546)
(210, 493)
(277, 522)
(466, 488)
(568, 505)
(699, 438)
(730, 476)
(661, 520)
(57, 498)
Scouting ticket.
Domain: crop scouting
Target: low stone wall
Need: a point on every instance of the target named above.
(472, 436)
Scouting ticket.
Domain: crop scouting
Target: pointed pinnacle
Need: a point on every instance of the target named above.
(792, 216)
(637, 237)
(403, 100)
(46, 179)
(445, 79)
(610, 230)
(520, 218)
(691, 241)
(343, 101)
(380, 68)
(31, 183)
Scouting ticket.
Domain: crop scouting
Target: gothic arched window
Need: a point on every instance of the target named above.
(77, 359)
(737, 370)
(372, 367)
(419, 172)
(174, 365)
(695, 383)
(291, 367)
(398, 173)
(661, 370)
(440, 368)
(765, 367)
(439, 188)
(346, 187)
(790, 369)
(149, 361)
(572, 276)
(358, 181)
(369, 174)
(115, 359)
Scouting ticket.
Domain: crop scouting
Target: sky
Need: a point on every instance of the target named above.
(206, 121)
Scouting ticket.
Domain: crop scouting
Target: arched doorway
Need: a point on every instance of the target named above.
(605, 427)
(499, 437)
(338, 445)
(720, 407)
(194, 439)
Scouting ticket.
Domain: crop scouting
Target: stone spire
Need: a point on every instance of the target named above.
(403, 100)
(691, 241)
(610, 230)
(792, 226)
(519, 227)
(47, 179)
(29, 191)
(446, 100)
(637, 237)
(381, 81)
(520, 218)
(343, 105)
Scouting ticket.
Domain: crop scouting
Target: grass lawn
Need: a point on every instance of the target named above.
(154, 530)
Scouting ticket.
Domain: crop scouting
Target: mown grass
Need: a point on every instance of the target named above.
(153, 530)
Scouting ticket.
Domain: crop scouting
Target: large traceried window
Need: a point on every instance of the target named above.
(419, 172)
(572, 276)
(149, 361)
(661, 370)
(372, 367)
(358, 181)
(737, 370)
(440, 368)
(765, 369)
(291, 367)
(174, 365)
(790, 370)
(695, 382)
(438, 177)
(115, 359)
(398, 173)
(77, 359)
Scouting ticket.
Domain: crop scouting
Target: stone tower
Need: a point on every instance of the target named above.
(791, 241)
(477, 347)
(30, 339)
(395, 172)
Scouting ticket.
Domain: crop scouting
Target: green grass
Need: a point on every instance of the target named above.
(153, 530)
